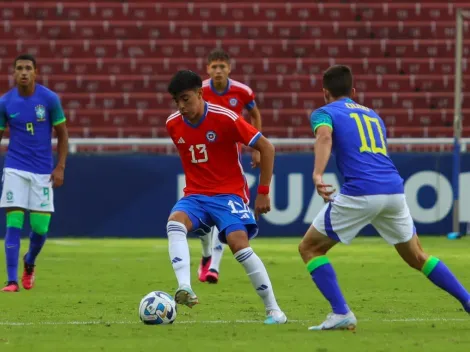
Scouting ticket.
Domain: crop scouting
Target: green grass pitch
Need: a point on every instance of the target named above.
(87, 294)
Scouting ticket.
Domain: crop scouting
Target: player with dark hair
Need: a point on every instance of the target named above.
(373, 193)
(207, 138)
(221, 90)
(31, 111)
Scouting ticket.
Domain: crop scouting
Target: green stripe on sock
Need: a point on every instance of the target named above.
(317, 262)
(429, 265)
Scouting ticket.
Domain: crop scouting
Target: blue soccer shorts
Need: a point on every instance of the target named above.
(226, 211)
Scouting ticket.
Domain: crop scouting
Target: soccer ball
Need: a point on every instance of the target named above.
(157, 308)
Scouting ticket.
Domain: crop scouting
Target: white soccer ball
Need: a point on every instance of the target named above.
(157, 308)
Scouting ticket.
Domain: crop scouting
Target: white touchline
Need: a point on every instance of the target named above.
(96, 322)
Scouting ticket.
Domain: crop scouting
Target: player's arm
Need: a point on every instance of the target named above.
(322, 126)
(266, 150)
(248, 135)
(255, 118)
(60, 128)
(3, 120)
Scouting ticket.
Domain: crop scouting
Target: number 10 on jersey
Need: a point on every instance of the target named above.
(369, 121)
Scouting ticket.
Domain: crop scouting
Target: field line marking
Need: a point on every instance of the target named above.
(97, 322)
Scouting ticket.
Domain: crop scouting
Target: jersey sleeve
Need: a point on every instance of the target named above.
(56, 112)
(3, 116)
(320, 118)
(245, 133)
(170, 129)
(249, 100)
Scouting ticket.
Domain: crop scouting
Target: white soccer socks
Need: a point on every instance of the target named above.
(179, 252)
(217, 250)
(259, 277)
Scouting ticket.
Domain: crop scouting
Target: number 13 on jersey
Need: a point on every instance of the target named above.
(369, 121)
(198, 153)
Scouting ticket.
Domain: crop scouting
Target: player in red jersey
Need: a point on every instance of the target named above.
(221, 90)
(207, 138)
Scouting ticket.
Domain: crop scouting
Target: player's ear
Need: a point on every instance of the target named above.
(326, 95)
(199, 93)
(229, 67)
(353, 93)
(208, 69)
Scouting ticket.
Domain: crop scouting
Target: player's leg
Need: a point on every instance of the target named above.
(218, 247)
(41, 206)
(396, 227)
(14, 199)
(237, 227)
(237, 240)
(206, 243)
(339, 221)
(434, 269)
(39, 222)
(14, 222)
(186, 215)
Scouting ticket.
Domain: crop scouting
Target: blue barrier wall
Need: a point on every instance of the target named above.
(132, 195)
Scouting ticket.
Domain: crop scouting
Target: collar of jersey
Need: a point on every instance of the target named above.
(186, 121)
(215, 90)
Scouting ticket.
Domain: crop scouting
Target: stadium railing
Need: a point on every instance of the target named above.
(166, 146)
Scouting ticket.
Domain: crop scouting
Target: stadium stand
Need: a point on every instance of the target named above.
(111, 60)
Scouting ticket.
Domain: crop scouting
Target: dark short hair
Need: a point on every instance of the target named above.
(338, 80)
(184, 80)
(26, 57)
(218, 55)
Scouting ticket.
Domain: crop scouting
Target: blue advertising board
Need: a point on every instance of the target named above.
(132, 195)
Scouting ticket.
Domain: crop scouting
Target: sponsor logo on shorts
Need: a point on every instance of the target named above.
(12, 116)
(44, 205)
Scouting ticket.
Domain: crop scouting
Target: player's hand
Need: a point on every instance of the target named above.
(255, 158)
(57, 177)
(324, 190)
(262, 205)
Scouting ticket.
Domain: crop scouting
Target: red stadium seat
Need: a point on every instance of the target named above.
(111, 61)
(303, 100)
(306, 30)
(266, 10)
(333, 48)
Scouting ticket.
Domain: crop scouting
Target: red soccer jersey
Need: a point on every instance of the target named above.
(209, 151)
(236, 96)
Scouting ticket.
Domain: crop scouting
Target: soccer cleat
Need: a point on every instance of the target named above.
(275, 317)
(212, 276)
(12, 286)
(186, 296)
(337, 322)
(203, 269)
(28, 275)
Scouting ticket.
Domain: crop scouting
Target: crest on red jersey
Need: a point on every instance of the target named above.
(233, 102)
(211, 136)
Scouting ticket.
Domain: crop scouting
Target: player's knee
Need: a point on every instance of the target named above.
(303, 248)
(182, 218)
(309, 249)
(237, 238)
(176, 229)
(15, 218)
(40, 223)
